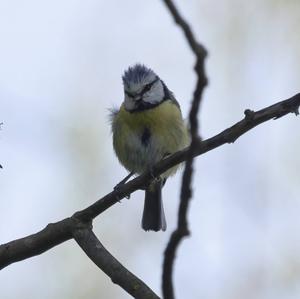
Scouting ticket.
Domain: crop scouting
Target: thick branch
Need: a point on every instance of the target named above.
(59, 232)
(93, 248)
(35, 244)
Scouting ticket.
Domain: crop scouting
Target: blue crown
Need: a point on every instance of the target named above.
(136, 74)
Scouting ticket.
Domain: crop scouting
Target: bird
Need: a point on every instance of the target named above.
(146, 128)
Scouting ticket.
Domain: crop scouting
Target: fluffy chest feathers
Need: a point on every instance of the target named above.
(143, 138)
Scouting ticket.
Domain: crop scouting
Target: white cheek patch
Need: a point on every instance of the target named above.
(155, 94)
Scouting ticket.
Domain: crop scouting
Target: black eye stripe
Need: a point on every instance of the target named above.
(144, 90)
(148, 86)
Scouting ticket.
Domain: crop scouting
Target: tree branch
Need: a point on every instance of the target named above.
(79, 226)
(182, 229)
(61, 231)
(53, 234)
(93, 248)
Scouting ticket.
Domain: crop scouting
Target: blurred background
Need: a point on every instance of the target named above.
(61, 66)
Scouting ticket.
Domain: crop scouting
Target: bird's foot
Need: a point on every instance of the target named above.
(117, 187)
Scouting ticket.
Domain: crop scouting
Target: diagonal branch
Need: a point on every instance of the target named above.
(53, 234)
(61, 231)
(93, 248)
(182, 229)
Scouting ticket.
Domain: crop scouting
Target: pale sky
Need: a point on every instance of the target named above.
(61, 66)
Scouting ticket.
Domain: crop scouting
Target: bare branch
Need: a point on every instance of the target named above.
(35, 244)
(197, 48)
(182, 229)
(90, 244)
(61, 231)
(79, 226)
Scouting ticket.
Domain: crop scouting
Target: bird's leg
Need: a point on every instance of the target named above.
(123, 182)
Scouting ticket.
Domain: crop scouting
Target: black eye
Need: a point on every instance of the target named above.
(147, 87)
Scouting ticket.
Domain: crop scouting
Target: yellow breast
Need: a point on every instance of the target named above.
(167, 131)
(159, 118)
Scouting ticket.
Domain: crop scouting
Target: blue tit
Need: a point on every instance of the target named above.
(146, 128)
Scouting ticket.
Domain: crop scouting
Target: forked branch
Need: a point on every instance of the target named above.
(59, 232)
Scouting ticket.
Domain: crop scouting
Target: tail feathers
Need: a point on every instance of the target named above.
(153, 215)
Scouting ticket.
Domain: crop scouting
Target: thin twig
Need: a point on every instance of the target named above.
(61, 231)
(182, 229)
(119, 275)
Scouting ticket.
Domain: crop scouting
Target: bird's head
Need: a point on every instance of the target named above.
(143, 88)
